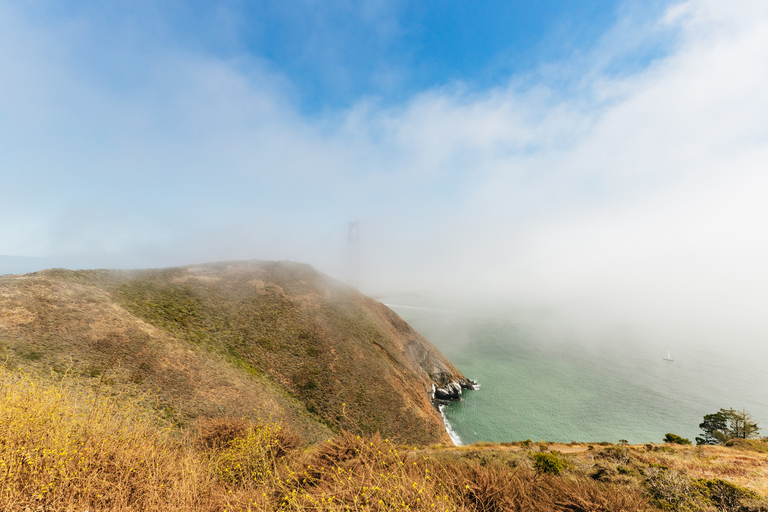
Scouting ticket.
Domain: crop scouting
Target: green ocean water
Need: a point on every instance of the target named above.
(542, 384)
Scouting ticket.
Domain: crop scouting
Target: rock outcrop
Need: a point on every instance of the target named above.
(452, 390)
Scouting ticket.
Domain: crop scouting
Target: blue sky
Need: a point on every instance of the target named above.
(391, 50)
(606, 153)
(333, 54)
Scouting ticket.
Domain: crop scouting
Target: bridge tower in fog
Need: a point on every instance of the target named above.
(353, 243)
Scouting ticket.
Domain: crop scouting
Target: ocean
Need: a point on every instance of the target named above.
(547, 384)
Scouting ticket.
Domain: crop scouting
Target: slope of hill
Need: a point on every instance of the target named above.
(260, 340)
(63, 447)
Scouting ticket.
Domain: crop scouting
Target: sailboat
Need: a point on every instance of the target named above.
(669, 357)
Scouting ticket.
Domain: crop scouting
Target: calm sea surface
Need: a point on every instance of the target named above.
(541, 384)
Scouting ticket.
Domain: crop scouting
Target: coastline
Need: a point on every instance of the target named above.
(450, 394)
(448, 428)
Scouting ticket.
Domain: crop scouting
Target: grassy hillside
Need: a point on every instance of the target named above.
(50, 323)
(66, 446)
(256, 340)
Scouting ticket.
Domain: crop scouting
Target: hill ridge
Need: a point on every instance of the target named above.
(238, 338)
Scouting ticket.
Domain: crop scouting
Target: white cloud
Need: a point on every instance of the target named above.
(647, 204)
(638, 195)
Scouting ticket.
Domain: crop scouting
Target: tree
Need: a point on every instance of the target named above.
(726, 424)
(741, 424)
(714, 429)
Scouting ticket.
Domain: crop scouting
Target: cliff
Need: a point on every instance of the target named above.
(259, 340)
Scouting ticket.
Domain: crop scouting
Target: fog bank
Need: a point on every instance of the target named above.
(610, 194)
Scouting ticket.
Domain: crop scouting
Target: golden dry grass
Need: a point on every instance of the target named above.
(65, 447)
(742, 467)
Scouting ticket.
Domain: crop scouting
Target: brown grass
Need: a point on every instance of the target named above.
(217, 433)
(65, 447)
(78, 329)
(744, 467)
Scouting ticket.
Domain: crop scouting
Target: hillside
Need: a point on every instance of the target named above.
(66, 447)
(257, 340)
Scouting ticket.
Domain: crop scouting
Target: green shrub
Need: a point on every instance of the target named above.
(725, 495)
(550, 463)
(675, 439)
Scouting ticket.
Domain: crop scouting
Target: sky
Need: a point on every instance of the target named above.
(610, 157)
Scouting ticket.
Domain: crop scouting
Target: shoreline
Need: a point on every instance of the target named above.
(442, 403)
(448, 427)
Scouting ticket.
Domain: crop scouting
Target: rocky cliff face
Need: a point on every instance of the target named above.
(254, 339)
(447, 381)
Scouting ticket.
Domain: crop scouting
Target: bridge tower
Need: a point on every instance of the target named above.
(353, 242)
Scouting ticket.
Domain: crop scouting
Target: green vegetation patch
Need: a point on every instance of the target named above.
(675, 439)
(725, 495)
(175, 308)
(289, 323)
(550, 463)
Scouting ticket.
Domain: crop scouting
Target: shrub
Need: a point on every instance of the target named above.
(352, 472)
(618, 453)
(549, 463)
(749, 444)
(491, 488)
(217, 433)
(675, 439)
(725, 495)
(250, 458)
(672, 489)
